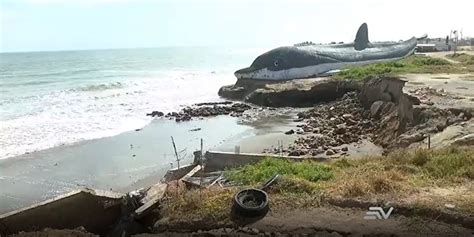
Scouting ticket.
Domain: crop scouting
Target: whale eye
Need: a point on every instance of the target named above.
(275, 63)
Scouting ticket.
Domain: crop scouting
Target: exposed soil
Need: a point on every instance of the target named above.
(331, 221)
(390, 119)
(79, 232)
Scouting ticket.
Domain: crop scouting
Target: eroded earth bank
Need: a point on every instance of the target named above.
(387, 141)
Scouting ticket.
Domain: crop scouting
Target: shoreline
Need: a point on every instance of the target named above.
(361, 122)
(129, 160)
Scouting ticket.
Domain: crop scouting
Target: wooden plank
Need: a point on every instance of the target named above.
(192, 172)
(151, 199)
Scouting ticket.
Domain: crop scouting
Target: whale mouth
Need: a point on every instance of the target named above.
(244, 72)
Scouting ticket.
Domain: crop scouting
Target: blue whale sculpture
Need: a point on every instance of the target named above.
(291, 62)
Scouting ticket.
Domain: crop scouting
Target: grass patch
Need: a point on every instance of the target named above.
(451, 163)
(412, 64)
(463, 58)
(395, 174)
(211, 204)
(267, 168)
(426, 177)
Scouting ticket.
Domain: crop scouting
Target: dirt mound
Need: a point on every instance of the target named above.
(294, 93)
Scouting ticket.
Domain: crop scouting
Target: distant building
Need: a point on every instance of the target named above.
(435, 44)
(426, 48)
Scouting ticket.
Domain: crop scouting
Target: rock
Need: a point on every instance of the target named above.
(209, 109)
(345, 148)
(254, 231)
(290, 132)
(347, 116)
(350, 122)
(155, 114)
(467, 140)
(414, 100)
(307, 129)
(334, 234)
(340, 129)
(449, 206)
(330, 152)
(316, 151)
(388, 89)
(214, 103)
(376, 108)
(298, 152)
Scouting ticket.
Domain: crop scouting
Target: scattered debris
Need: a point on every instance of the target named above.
(205, 110)
(449, 206)
(155, 114)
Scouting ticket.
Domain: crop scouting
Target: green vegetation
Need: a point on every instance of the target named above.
(399, 174)
(267, 168)
(412, 64)
(422, 178)
(462, 58)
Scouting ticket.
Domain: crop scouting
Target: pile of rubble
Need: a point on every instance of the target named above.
(424, 94)
(205, 110)
(380, 112)
(331, 125)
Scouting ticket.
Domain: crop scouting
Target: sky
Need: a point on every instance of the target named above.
(49, 25)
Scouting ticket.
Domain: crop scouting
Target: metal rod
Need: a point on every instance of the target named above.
(201, 162)
(175, 151)
(429, 142)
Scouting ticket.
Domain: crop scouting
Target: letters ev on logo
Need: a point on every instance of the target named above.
(377, 213)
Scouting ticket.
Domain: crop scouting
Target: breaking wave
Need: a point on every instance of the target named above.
(101, 87)
(100, 110)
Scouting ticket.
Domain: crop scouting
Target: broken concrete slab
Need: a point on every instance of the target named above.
(95, 210)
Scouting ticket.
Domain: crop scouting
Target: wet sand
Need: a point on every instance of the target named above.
(130, 160)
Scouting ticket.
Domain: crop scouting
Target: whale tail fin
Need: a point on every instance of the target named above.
(362, 37)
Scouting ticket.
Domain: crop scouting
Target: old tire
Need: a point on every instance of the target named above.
(250, 203)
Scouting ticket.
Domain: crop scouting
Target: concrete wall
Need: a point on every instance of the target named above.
(95, 210)
(175, 174)
(216, 161)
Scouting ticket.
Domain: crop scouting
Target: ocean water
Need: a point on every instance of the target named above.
(48, 99)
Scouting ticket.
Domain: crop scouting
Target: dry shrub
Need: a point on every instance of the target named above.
(212, 204)
(292, 184)
(366, 182)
